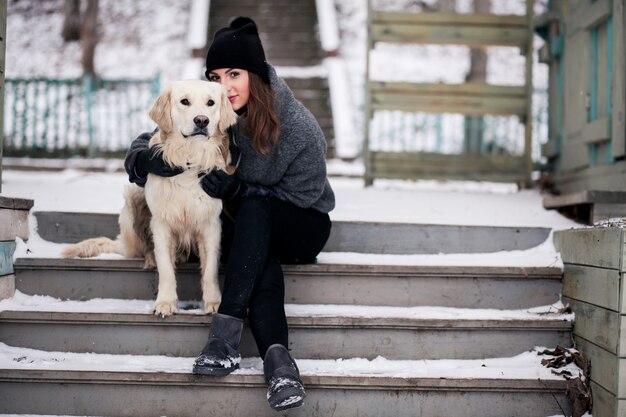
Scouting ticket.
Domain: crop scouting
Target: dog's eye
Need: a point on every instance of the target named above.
(184, 102)
(210, 103)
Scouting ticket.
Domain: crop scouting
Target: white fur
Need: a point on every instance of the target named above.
(183, 217)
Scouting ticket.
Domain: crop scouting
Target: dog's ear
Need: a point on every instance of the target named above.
(161, 111)
(228, 117)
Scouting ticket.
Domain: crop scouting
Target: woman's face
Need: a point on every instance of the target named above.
(237, 84)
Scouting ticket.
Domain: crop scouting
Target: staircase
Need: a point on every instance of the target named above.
(290, 38)
(364, 340)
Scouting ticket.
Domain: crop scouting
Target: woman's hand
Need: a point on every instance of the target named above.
(151, 162)
(218, 184)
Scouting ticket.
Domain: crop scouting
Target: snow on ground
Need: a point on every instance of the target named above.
(421, 202)
(429, 202)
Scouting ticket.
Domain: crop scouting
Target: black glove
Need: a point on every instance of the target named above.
(150, 161)
(218, 184)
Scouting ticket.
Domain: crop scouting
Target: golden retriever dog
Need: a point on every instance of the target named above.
(170, 217)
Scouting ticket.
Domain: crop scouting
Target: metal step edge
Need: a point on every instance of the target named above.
(136, 319)
(504, 272)
(244, 378)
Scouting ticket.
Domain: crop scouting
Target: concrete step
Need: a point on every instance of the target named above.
(288, 29)
(359, 237)
(90, 384)
(388, 285)
(457, 334)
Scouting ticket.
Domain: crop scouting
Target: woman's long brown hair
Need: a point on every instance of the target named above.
(263, 123)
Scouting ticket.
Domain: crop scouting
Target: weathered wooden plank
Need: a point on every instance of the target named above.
(621, 379)
(575, 154)
(449, 103)
(584, 197)
(604, 177)
(599, 325)
(601, 72)
(597, 286)
(622, 338)
(601, 211)
(623, 295)
(479, 89)
(618, 131)
(6, 257)
(457, 162)
(3, 32)
(453, 19)
(590, 13)
(13, 223)
(606, 366)
(447, 35)
(422, 165)
(7, 286)
(576, 80)
(604, 402)
(593, 247)
(596, 131)
(16, 203)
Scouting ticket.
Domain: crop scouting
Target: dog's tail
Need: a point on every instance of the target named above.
(94, 247)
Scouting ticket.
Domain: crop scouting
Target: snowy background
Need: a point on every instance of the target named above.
(142, 38)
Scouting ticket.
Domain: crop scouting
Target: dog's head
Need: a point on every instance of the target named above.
(193, 108)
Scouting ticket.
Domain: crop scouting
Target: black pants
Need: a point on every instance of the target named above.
(265, 233)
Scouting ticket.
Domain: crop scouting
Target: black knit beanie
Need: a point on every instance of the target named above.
(238, 46)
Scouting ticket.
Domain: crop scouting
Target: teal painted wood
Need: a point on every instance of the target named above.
(88, 88)
(608, 86)
(592, 112)
(560, 110)
(6, 257)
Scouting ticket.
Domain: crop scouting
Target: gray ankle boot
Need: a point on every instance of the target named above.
(220, 355)
(285, 389)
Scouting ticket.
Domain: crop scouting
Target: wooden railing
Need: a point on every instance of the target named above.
(45, 117)
(471, 99)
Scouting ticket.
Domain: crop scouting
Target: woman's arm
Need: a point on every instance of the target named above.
(141, 161)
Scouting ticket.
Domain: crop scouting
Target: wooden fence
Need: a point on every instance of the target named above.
(477, 99)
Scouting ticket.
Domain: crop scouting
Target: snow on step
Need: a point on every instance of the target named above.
(24, 302)
(526, 366)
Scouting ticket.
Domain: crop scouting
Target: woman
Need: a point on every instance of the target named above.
(275, 207)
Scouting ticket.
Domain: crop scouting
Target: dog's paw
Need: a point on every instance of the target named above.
(164, 308)
(210, 306)
(149, 261)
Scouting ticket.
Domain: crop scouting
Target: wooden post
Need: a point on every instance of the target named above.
(528, 130)
(618, 129)
(367, 114)
(3, 32)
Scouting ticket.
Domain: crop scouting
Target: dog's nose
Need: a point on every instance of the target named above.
(201, 121)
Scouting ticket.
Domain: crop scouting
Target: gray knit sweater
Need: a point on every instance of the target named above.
(293, 171)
